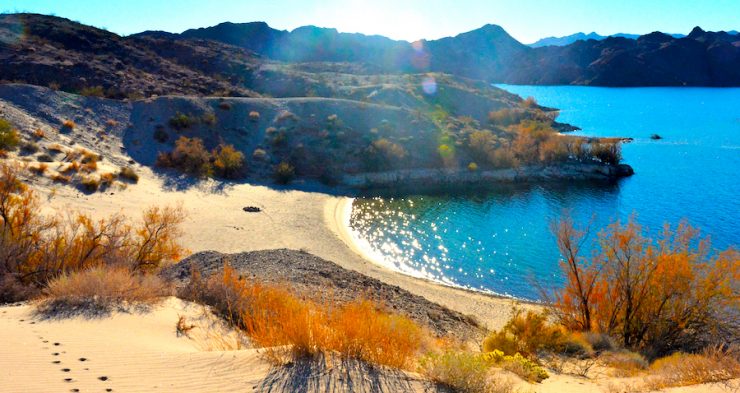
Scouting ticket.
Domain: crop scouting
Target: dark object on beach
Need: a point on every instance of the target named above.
(655, 137)
(252, 209)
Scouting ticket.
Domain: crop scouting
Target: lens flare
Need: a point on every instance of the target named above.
(429, 85)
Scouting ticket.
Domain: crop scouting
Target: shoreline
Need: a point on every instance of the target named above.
(337, 219)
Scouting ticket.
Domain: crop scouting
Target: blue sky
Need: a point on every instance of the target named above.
(526, 20)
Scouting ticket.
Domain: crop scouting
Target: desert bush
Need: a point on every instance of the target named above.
(209, 118)
(39, 133)
(160, 135)
(481, 144)
(189, 156)
(228, 162)
(259, 154)
(625, 363)
(472, 167)
(384, 154)
(653, 296)
(100, 288)
(181, 121)
(526, 333)
(39, 169)
(93, 91)
(90, 183)
(554, 149)
(284, 173)
(9, 136)
(506, 117)
(529, 102)
(72, 167)
(286, 116)
(608, 153)
(129, 174)
(37, 248)
(274, 318)
(13, 290)
(59, 178)
(600, 342)
(517, 364)
(463, 372)
(29, 147)
(68, 125)
(44, 157)
(716, 364)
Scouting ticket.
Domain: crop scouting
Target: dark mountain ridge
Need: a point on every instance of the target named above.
(236, 58)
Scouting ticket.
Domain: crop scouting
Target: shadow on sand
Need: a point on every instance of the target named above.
(341, 375)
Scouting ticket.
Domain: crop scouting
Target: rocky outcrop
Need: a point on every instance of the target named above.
(447, 179)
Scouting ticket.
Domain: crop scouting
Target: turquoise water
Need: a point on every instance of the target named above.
(499, 241)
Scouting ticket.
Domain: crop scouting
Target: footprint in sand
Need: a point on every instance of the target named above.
(66, 370)
(103, 378)
(57, 344)
(82, 359)
(67, 379)
(55, 354)
(57, 362)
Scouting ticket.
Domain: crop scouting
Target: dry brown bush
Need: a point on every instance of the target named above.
(99, 288)
(288, 327)
(36, 248)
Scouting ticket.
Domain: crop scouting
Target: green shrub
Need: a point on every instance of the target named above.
(284, 173)
(181, 121)
(472, 167)
(9, 136)
(526, 334)
(463, 372)
(209, 118)
(517, 364)
(93, 91)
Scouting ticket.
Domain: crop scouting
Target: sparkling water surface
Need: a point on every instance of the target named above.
(499, 241)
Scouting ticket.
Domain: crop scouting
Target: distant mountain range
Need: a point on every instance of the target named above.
(489, 53)
(569, 39)
(237, 50)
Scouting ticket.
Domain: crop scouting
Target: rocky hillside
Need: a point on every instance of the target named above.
(489, 53)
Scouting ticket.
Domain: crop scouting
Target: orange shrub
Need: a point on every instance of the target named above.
(227, 161)
(189, 156)
(69, 124)
(655, 296)
(37, 248)
(275, 318)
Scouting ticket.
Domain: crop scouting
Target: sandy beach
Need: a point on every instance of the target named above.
(311, 221)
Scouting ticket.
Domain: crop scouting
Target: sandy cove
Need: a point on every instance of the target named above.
(309, 221)
(140, 351)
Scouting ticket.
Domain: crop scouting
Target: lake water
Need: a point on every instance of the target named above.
(499, 241)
